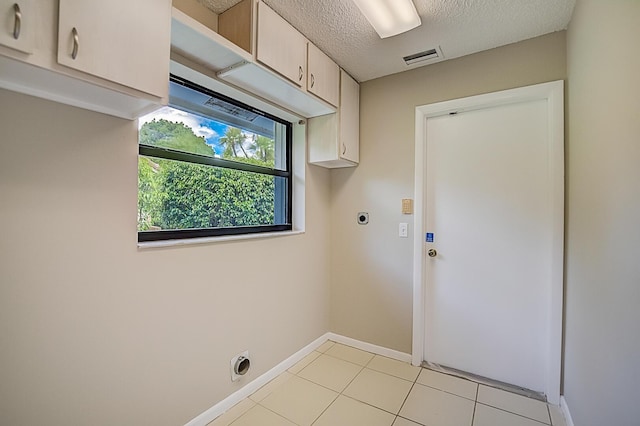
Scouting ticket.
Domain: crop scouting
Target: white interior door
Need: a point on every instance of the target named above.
(491, 209)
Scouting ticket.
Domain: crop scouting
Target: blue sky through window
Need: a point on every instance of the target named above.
(209, 129)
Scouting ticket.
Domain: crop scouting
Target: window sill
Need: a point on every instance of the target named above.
(213, 240)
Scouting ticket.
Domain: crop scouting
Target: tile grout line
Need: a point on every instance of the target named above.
(339, 393)
(408, 393)
(371, 405)
(268, 409)
(362, 368)
(350, 362)
(391, 375)
(447, 392)
(328, 388)
(307, 380)
(237, 418)
(473, 416)
(515, 414)
(475, 404)
(455, 377)
(369, 362)
(323, 411)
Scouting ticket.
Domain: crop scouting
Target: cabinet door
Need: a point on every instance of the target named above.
(349, 118)
(17, 24)
(324, 76)
(280, 46)
(123, 41)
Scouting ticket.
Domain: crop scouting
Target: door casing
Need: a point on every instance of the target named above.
(553, 93)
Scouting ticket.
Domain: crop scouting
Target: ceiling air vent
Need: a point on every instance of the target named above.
(430, 55)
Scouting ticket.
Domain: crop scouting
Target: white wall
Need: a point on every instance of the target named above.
(371, 278)
(602, 341)
(94, 331)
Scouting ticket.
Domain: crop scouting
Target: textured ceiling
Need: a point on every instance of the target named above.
(459, 27)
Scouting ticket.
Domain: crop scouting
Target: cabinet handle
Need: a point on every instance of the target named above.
(76, 43)
(313, 81)
(300, 73)
(17, 22)
(344, 149)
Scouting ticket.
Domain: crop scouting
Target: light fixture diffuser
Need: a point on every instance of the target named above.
(389, 17)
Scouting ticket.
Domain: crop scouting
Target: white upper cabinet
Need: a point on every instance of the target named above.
(106, 56)
(334, 139)
(230, 55)
(349, 118)
(323, 79)
(256, 51)
(280, 46)
(117, 40)
(17, 25)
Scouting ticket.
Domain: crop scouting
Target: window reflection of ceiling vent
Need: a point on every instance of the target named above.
(230, 109)
(430, 55)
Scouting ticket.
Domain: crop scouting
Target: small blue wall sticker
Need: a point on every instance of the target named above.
(429, 237)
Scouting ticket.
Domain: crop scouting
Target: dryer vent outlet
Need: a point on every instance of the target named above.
(240, 365)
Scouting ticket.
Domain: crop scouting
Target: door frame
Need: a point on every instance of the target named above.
(553, 93)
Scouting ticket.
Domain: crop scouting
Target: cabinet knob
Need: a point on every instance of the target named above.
(300, 73)
(17, 20)
(313, 81)
(344, 149)
(76, 43)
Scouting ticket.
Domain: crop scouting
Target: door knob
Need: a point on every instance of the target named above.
(432, 253)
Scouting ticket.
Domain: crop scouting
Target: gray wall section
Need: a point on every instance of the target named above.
(602, 340)
(94, 331)
(372, 269)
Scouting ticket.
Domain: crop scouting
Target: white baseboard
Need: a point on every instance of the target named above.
(378, 350)
(565, 411)
(224, 405)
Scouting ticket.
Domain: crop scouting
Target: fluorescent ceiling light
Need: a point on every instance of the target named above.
(389, 17)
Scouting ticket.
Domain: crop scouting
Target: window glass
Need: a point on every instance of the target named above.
(209, 166)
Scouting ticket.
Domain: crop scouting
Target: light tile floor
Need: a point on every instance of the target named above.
(338, 385)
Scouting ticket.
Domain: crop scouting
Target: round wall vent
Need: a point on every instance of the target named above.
(240, 365)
